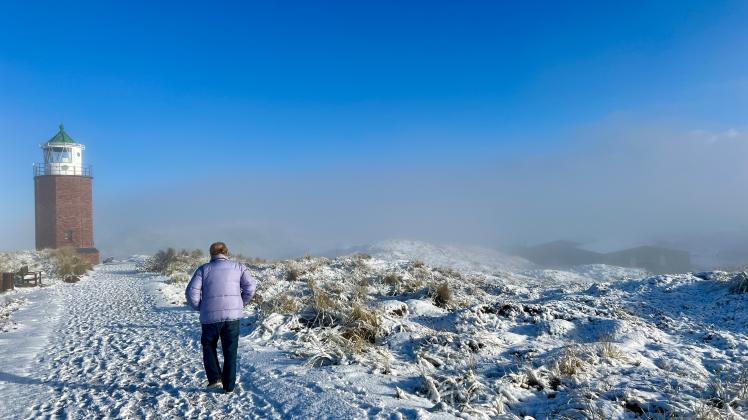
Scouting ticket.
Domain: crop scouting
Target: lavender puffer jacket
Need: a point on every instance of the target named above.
(220, 289)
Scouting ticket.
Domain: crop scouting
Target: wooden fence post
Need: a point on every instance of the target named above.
(8, 281)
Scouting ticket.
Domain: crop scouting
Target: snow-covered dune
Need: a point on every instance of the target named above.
(582, 274)
(462, 258)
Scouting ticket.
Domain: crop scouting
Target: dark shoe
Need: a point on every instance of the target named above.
(228, 391)
(214, 385)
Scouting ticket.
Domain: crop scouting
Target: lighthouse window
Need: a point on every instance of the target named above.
(69, 235)
(62, 154)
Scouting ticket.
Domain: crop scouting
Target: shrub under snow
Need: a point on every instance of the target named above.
(739, 283)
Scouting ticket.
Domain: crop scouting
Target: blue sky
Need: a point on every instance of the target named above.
(177, 92)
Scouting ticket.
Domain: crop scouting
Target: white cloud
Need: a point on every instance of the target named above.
(629, 180)
(732, 133)
(711, 137)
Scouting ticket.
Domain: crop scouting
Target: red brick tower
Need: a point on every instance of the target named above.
(64, 205)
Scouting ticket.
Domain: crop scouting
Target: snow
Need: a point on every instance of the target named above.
(423, 308)
(594, 341)
(585, 274)
(463, 258)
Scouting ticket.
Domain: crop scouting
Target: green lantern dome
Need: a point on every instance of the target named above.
(62, 137)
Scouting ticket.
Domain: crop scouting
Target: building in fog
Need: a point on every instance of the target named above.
(63, 189)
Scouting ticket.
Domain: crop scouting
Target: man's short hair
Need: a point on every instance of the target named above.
(218, 248)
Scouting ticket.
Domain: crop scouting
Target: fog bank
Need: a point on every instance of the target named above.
(619, 181)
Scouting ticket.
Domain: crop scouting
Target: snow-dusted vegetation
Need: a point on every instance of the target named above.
(12, 261)
(12, 300)
(54, 266)
(463, 258)
(594, 342)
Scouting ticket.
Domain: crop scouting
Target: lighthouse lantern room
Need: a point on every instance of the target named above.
(62, 156)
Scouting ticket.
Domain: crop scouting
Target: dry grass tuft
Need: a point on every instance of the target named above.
(324, 307)
(361, 289)
(68, 263)
(178, 277)
(365, 323)
(529, 378)
(607, 349)
(399, 284)
(293, 274)
(464, 391)
(704, 411)
(171, 261)
(394, 282)
(739, 283)
(281, 303)
(570, 363)
(728, 390)
(449, 273)
(443, 295)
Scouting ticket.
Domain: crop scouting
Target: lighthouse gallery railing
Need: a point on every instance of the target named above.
(41, 169)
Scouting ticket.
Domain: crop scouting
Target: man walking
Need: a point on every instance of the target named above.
(219, 290)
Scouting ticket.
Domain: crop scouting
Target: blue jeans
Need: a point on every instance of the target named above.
(228, 331)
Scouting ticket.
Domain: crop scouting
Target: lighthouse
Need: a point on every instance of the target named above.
(63, 187)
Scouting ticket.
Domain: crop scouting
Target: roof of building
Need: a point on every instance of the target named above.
(62, 137)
